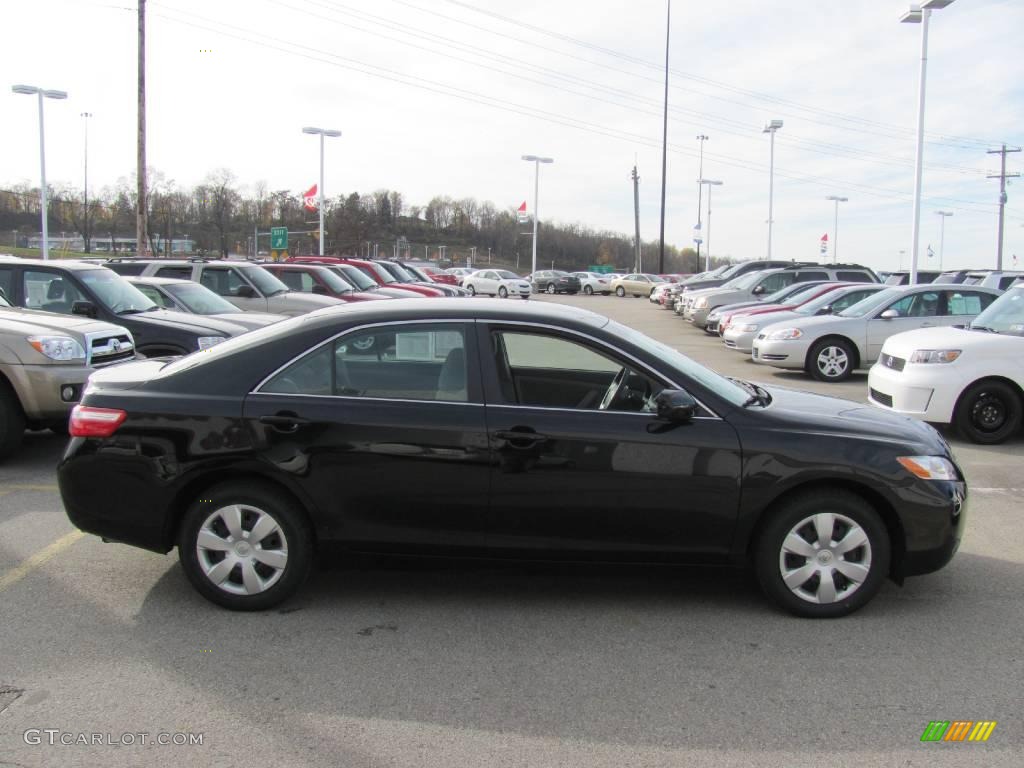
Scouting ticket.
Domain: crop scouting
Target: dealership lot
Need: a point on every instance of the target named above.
(437, 663)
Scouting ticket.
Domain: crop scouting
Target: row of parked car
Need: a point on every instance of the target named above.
(945, 350)
(62, 319)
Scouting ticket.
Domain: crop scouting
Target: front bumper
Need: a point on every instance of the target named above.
(926, 391)
(780, 354)
(47, 392)
(929, 546)
(698, 317)
(741, 341)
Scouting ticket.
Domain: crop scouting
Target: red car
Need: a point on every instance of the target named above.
(373, 271)
(435, 274)
(797, 300)
(318, 278)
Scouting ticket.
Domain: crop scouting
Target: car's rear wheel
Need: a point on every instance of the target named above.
(588, 290)
(620, 291)
(822, 555)
(471, 289)
(551, 288)
(12, 420)
(245, 546)
(988, 412)
(503, 292)
(831, 360)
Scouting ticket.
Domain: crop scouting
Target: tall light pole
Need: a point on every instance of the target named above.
(835, 225)
(536, 195)
(321, 132)
(85, 213)
(942, 234)
(920, 15)
(700, 188)
(32, 90)
(707, 252)
(771, 128)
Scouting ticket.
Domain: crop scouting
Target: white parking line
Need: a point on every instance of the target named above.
(995, 490)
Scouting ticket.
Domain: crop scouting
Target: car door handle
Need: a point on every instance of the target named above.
(524, 439)
(284, 422)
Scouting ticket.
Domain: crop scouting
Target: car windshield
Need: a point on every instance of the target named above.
(265, 282)
(356, 276)
(811, 307)
(655, 278)
(504, 274)
(116, 293)
(720, 385)
(417, 273)
(399, 273)
(200, 299)
(378, 269)
(3, 301)
(333, 282)
(799, 297)
(743, 281)
(869, 303)
(783, 293)
(1004, 315)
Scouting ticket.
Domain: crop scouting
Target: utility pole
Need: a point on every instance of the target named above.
(488, 255)
(637, 259)
(1003, 176)
(85, 212)
(664, 147)
(141, 248)
(700, 188)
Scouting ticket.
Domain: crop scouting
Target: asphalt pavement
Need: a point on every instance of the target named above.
(440, 663)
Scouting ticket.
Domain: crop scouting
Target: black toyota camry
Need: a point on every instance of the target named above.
(499, 429)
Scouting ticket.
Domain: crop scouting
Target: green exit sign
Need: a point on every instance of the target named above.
(279, 238)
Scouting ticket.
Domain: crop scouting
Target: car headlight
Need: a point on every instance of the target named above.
(785, 334)
(700, 303)
(57, 347)
(929, 467)
(935, 355)
(746, 328)
(205, 342)
(715, 314)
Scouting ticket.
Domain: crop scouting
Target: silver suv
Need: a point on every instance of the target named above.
(246, 285)
(751, 286)
(45, 359)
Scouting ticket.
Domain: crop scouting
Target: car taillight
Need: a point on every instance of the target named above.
(87, 421)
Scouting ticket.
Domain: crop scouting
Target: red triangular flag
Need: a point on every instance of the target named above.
(522, 207)
(824, 238)
(309, 198)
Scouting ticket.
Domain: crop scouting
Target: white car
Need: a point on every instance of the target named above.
(496, 282)
(831, 347)
(594, 283)
(659, 289)
(972, 378)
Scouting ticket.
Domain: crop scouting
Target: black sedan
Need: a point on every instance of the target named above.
(518, 430)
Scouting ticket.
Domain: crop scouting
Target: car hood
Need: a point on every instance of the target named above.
(201, 325)
(795, 411)
(819, 323)
(249, 320)
(31, 321)
(904, 344)
(726, 309)
(299, 300)
(702, 285)
(764, 319)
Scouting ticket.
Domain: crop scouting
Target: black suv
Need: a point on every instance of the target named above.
(75, 288)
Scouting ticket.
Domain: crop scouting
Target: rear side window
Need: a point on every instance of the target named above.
(966, 302)
(297, 281)
(1004, 282)
(803, 277)
(855, 277)
(180, 273)
(6, 275)
(126, 268)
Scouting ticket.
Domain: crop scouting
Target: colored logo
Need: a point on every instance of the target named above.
(958, 730)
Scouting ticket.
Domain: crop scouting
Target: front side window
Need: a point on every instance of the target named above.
(405, 362)
(917, 305)
(50, 292)
(772, 283)
(179, 273)
(296, 280)
(222, 281)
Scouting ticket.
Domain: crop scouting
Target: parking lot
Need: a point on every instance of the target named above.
(436, 663)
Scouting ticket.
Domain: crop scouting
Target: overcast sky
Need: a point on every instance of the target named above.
(442, 97)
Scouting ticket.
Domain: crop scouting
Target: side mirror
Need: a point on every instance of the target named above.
(84, 308)
(675, 405)
(245, 292)
(322, 290)
(826, 310)
(758, 290)
(889, 314)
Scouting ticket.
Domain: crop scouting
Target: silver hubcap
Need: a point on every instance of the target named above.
(833, 361)
(825, 558)
(242, 549)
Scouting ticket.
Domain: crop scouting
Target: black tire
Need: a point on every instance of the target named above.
(551, 289)
(620, 291)
(294, 534)
(870, 560)
(12, 420)
(832, 360)
(988, 412)
(503, 291)
(471, 289)
(588, 290)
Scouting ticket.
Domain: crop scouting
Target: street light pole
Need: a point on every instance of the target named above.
(31, 90)
(920, 15)
(700, 188)
(771, 128)
(85, 214)
(942, 234)
(707, 243)
(321, 132)
(536, 199)
(835, 225)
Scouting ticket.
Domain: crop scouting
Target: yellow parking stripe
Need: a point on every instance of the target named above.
(40, 558)
(14, 487)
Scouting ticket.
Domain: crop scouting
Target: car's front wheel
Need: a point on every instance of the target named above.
(822, 555)
(245, 546)
(471, 289)
(988, 412)
(831, 360)
(503, 292)
(551, 289)
(620, 291)
(588, 290)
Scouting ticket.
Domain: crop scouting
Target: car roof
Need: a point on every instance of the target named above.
(71, 264)
(153, 280)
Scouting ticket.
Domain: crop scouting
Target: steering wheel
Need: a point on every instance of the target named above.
(615, 389)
